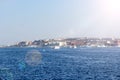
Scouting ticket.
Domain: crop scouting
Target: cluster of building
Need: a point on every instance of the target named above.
(71, 43)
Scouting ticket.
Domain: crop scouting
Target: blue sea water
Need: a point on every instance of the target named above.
(62, 64)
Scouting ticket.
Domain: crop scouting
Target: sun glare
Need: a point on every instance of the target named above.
(110, 8)
(112, 5)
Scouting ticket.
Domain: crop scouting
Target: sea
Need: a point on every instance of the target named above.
(60, 64)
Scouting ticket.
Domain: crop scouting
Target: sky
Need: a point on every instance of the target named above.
(22, 20)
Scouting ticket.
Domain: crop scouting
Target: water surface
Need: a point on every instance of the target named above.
(62, 64)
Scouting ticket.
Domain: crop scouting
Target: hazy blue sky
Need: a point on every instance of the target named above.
(39, 19)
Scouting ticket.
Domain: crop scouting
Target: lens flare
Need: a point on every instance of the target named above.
(21, 66)
(5, 74)
(33, 58)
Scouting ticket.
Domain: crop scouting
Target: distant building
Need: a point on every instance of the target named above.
(71, 42)
(22, 44)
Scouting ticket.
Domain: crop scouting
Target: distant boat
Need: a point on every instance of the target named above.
(74, 47)
(57, 47)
